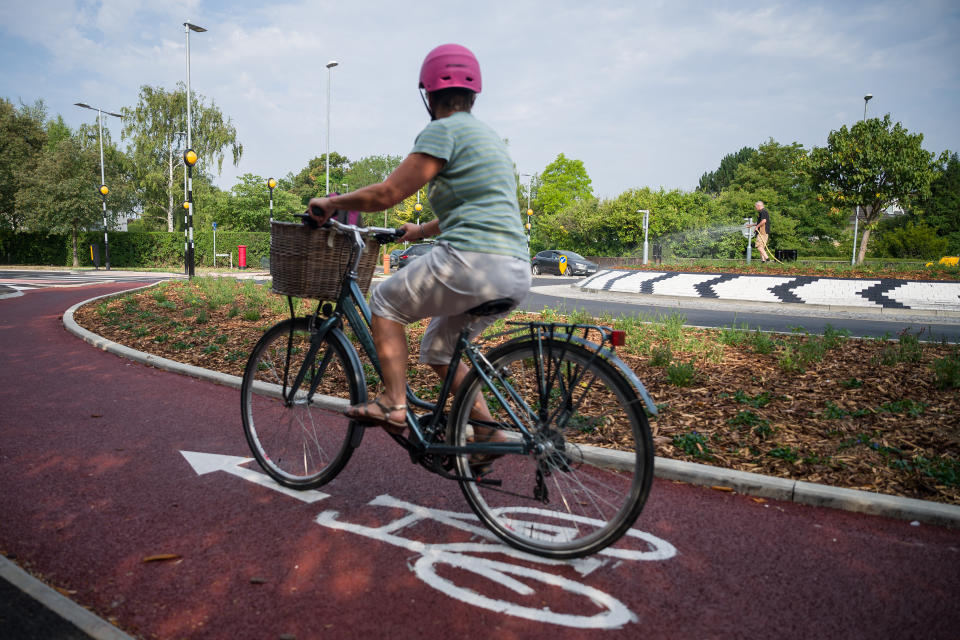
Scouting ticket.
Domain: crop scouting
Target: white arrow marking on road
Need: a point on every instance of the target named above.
(204, 463)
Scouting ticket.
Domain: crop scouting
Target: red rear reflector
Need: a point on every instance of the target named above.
(618, 338)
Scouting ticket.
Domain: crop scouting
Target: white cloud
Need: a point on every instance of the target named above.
(648, 93)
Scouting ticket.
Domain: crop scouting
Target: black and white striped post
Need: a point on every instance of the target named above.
(189, 159)
(271, 184)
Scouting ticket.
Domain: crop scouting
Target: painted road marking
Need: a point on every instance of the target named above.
(464, 555)
(204, 463)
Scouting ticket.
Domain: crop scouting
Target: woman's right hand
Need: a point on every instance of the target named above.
(412, 231)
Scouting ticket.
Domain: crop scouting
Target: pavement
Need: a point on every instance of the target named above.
(33, 610)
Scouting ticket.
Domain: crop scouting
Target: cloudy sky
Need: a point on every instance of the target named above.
(646, 93)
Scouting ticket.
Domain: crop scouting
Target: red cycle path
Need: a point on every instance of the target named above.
(93, 481)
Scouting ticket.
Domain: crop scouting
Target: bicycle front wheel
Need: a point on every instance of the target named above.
(588, 478)
(301, 440)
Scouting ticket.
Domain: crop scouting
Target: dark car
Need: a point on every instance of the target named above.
(395, 257)
(549, 262)
(411, 253)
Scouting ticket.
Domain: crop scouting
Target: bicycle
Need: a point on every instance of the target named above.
(577, 464)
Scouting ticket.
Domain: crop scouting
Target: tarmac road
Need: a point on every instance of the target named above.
(105, 463)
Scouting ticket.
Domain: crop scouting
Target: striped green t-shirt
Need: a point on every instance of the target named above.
(475, 194)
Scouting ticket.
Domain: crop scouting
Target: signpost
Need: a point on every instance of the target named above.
(563, 264)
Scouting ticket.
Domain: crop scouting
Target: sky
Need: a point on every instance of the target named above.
(645, 93)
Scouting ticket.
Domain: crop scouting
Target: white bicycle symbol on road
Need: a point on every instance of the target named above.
(472, 556)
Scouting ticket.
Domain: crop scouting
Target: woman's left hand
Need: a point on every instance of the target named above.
(320, 209)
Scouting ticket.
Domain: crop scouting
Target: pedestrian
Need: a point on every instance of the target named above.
(763, 229)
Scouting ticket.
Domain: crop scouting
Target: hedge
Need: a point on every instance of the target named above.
(131, 249)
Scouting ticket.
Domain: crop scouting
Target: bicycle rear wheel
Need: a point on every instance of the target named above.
(588, 481)
(300, 442)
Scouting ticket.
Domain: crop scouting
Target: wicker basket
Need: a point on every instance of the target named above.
(304, 263)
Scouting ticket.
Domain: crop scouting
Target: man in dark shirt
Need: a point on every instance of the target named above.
(763, 229)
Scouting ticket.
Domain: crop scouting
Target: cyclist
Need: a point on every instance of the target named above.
(480, 254)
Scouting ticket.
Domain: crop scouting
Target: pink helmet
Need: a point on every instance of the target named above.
(448, 66)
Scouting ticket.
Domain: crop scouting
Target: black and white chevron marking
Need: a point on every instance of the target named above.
(879, 293)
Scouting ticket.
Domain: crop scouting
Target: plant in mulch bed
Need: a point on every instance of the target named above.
(681, 374)
(947, 371)
(661, 356)
(693, 444)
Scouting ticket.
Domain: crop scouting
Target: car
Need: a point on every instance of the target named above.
(395, 257)
(549, 262)
(411, 253)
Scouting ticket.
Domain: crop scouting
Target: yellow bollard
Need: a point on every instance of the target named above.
(386, 263)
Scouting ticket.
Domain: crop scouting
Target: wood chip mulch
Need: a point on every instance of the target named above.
(875, 415)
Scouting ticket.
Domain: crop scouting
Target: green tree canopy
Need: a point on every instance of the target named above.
(941, 209)
(57, 192)
(311, 181)
(716, 181)
(22, 137)
(562, 183)
(156, 129)
(246, 207)
(871, 166)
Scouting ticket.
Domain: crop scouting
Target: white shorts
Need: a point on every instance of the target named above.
(442, 285)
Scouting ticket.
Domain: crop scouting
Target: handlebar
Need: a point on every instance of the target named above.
(382, 234)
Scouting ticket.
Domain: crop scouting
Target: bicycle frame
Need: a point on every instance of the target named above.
(352, 306)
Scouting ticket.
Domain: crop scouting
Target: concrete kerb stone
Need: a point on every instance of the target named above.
(747, 483)
(88, 622)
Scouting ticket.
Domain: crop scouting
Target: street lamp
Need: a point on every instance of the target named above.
(856, 217)
(188, 227)
(103, 181)
(646, 231)
(330, 65)
(271, 184)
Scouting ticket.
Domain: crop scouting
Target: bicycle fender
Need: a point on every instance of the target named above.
(611, 357)
(337, 335)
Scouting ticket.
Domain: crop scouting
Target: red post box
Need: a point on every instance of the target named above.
(242, 256)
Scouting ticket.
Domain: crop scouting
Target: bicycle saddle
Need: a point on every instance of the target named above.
(493, 307)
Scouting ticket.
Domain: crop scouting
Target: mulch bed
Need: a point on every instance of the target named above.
(860, 414)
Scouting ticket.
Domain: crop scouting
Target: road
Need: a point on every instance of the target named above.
(555, 292)
(129, 489)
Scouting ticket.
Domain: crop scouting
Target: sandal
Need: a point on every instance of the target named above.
(362, 413)
(481, 464)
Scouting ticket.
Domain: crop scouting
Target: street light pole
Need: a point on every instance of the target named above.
(330, 65)
(646, 230)
(856, 217)
(103, 181)
(190, 159)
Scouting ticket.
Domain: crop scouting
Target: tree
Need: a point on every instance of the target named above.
(563, 182)
(57, 191)
(774, 174)
(311, 181)
(871, 166)
(716, 181)
(156, 128)
(246, 207)
(22, 137)
(941, 209)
